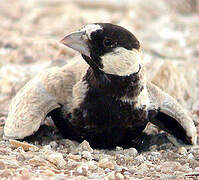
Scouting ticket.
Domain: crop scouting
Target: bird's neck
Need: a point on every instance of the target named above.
(114, 85)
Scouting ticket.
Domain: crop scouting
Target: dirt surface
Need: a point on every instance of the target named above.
(29, 42)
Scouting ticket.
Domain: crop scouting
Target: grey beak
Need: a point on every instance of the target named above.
(77, 41)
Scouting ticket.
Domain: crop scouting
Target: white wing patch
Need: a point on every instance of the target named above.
(91, 28)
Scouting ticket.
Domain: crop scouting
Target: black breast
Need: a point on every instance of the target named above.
(102, 118)
(106, 121)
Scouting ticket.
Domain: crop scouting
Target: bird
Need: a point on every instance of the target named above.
(107, 99)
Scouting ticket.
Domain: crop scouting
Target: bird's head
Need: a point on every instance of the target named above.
(106, 48)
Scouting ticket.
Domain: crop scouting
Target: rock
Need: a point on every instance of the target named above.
(131, 152)
(140, 158)
(106, 163)
(155, 154)
(74, 157)
(82, 169)
(182, 150)
(143, 168)
(20, 157)
(48, 172)
(57, 159)
(111, 175)
(2, 165)
(84, 146)
(87, 155)
(92, 165)
(170, 166)
(119, 176)
(53, 144)
(24, 145)
(190, 156)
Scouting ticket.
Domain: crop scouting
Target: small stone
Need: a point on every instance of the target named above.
(87, 155)
(57, 159)
(74, 157)
(140, 158)
(190, 156)
(47, 148)
(92, 165)
(53, 144)
(143, 168)
(2, 165)
(94, 176)
(107, 170)
(85, 146)
(81, 178)
(111, 175)
(118, 148)
(170, 166)
(82, 169)
(20, 157)
(156, 154)
(197, 169)
(24, 145)
(106, 163)
(182, 150)
(48, 172)
(131, 152)
(118, 168)
(119, 176)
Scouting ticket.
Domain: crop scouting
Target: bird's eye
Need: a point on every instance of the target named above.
(108, 42)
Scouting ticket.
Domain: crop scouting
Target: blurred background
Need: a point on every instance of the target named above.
(168, 31)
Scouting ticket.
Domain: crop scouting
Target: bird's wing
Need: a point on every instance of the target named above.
(44, 93)
(166, 113)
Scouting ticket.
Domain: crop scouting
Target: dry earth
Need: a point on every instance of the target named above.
(29, 35)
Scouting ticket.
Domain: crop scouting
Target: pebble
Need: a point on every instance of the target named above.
(111, 175)
(84, 146)
(182, 150)
(140, 158)
(81, 178)
(106, 163)
(170, 166)
(57, 159)
(74, 157)
(82, 169)
(156, 154)
(119, 176)
(131, 152)
(48, 172)
(87, 155)
(2, 165)
(94, 176)
(143, 168)
(118, 148)
(20, 157)
(24, 145)
(190, 156)
(197, 169)
(92, 165)
(53, 144)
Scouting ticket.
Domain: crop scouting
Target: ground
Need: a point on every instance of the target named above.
(29, 42)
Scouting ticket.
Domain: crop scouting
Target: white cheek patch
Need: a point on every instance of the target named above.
(121, 62)
(91, 28)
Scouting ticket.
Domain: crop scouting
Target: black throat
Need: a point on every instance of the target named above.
(114, 85)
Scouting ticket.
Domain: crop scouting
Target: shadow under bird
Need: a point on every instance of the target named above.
(104, 99)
